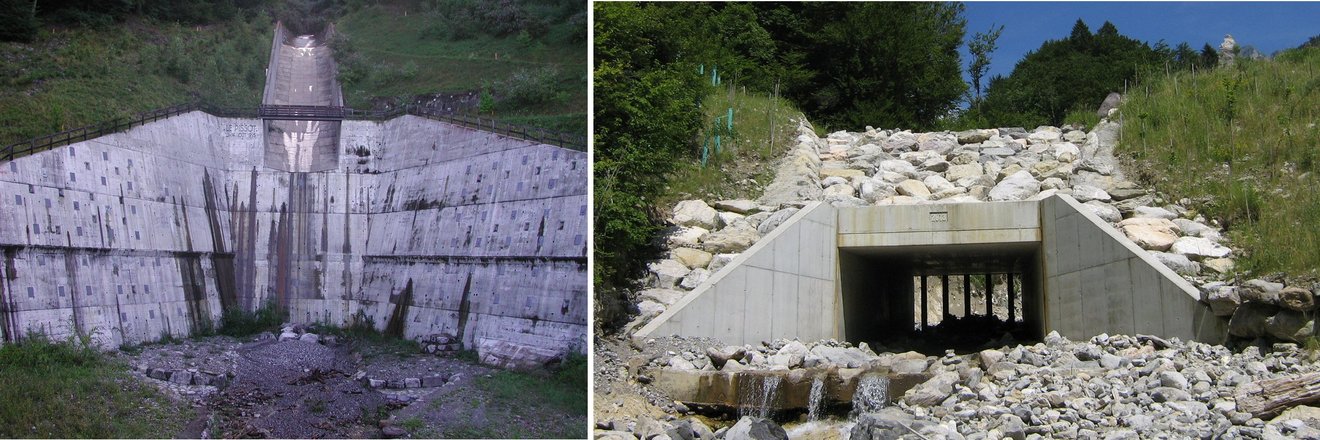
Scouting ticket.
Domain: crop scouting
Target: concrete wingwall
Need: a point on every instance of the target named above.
(1098, 281)
(428, 226)
(784, 286)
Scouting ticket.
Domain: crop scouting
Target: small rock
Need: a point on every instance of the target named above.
(751, 428)
(692, 258)
(1198, 248)
(1297, 299)
(743, 206)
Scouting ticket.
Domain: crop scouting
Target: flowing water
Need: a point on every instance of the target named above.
(872, 394)
(758, 400)
(816, 399)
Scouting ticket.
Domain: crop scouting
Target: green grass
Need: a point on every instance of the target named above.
(69, 390)
(239, 323)
(1243, 145)
(398, 56)
(363, 336)
(1083, 117)
(73, 77)
(535, 404)
(746, 153)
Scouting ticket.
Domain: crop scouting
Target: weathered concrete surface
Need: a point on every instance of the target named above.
(158, 229)
(793, 392)
(831, 272)
(1099, 281)
(782, 287)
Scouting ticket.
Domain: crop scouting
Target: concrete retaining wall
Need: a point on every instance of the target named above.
(186, 218)
(1098, 281)
(782, 287)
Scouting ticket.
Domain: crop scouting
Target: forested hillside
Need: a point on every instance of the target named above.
(1071, 76)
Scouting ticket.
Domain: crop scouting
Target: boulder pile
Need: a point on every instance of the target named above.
(1106, 387)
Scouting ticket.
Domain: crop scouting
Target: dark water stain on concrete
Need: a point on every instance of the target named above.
(7, 308)
(194, 290)
(464, 308)
(71, 267)
(399, 316)
(220, 260)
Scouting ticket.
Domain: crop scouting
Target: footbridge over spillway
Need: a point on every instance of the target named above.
(419, 223)
(866, 273)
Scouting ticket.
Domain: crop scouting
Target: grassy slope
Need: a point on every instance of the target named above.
(65, 391)
(747, 154)
(69, 78)
(527, 405)
(1243, 144)
(391, 38)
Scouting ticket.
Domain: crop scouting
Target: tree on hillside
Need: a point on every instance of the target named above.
(1066, 75)
(882, 64)
(1081, 35)
(18, 20)
(981, 46)
(1209, 56)
(646, 114)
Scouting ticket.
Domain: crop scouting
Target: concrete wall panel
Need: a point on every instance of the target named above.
(1096, 278)
(183, 213)
(770, 293)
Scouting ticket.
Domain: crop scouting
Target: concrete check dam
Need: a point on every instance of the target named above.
(424, 227)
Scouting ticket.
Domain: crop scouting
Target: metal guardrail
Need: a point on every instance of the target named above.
(301, 112)
(534, 134)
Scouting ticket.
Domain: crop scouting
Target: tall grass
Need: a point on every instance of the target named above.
(77, 76)
(536, 404)
(69, 390)
(393, 51)
(763, 128)
(1243, 144)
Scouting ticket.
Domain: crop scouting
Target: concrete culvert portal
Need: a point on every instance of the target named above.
(940, 276)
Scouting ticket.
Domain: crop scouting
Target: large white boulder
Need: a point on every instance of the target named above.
(695, 213)
(1017, 186)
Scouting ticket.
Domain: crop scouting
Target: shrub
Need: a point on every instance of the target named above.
(240, 323)
(18, 20)
(530, 87)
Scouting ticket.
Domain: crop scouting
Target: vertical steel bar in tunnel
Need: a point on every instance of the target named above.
(967, 295)
(944, 296)
(1012, 315)
(989, 295)
(923, 301)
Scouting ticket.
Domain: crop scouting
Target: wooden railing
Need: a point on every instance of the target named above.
(534, 134)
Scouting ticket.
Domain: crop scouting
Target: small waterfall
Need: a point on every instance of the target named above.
(872, 394)
(816, 399)
(758, 400)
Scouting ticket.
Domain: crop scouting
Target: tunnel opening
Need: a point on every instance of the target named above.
(933, 298)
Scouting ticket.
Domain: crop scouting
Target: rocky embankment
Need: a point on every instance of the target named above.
(1112, 387)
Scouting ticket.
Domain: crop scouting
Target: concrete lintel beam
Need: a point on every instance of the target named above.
(928, 238)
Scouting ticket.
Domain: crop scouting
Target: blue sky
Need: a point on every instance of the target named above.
(1269, 26)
